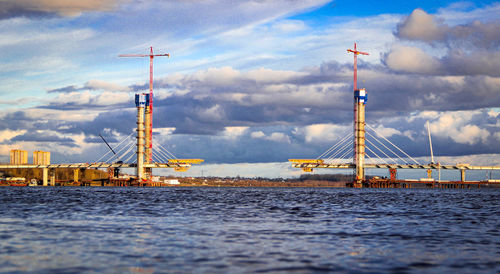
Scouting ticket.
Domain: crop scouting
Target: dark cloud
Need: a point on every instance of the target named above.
(122, 121)
(66, 89)
(7, 10)
(319, 95)
(471, 49)
(44, 138)
(422, 26)
(98, 139)
(201, 106)
(16, 120)
(35, 8)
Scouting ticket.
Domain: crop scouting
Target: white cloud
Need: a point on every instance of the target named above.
(286, 26)
(458, 127)
(411, 59)
(41, 114)
(103, 85)
(233, 133)
(164, 131)
(422, 26)
(275, 136)
(387, 131)
(257, 134)
(323, 133)
(214, 113)
(9, 134)
(279, 137)
(88, 98)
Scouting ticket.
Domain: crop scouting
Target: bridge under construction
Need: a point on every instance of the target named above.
(144, 162)
(382, 151)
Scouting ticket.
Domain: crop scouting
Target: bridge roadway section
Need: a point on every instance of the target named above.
(395, 166)
(462, 167)
(78, 166)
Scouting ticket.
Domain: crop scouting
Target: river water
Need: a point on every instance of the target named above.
(221, 230)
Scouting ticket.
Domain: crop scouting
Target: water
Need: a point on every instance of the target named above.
(214, 230)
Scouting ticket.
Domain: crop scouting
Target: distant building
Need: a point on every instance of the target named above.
(18, 157)
(41, 157)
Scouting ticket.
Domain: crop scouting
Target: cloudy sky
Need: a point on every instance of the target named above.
(252, 83)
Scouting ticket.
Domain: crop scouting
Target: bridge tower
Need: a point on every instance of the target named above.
(360, 98)
(141, 101)
(149, 107)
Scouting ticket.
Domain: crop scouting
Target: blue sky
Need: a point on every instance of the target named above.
(250, 84)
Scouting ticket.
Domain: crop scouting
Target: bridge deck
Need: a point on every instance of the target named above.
(98, 165)
(395, 166)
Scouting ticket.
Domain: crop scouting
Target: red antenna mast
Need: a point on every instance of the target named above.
(149, 113)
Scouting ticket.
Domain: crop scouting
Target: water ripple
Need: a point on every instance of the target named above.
(77, 229)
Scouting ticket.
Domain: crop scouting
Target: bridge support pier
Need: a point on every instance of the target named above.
(76, 174)
(394, 173)
(462, 175)
(45, 176)
(53, 177)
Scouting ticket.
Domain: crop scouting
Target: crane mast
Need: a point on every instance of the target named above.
(148, 116)
(360, 98)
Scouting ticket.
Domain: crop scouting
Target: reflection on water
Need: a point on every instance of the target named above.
(248, 230)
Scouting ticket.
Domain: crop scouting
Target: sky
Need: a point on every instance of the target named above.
(250, 84)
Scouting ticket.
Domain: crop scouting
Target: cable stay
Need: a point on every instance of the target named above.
(110, 151)
(348, 152)
(324, 155)
(130, 157)
(376, 155)
(343, 149)
(166, 151)
(380, 150)
(406, 154)
(130, 150)
(329, 154)
(346, 143)
(120, 152)
(170, 158)
(394, 153)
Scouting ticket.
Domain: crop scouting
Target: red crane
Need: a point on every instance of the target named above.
(151, 55)
(356, 126)
(356, 53)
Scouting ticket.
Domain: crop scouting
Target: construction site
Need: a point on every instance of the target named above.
(108, 173)
(350, 153)
(143, 156)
